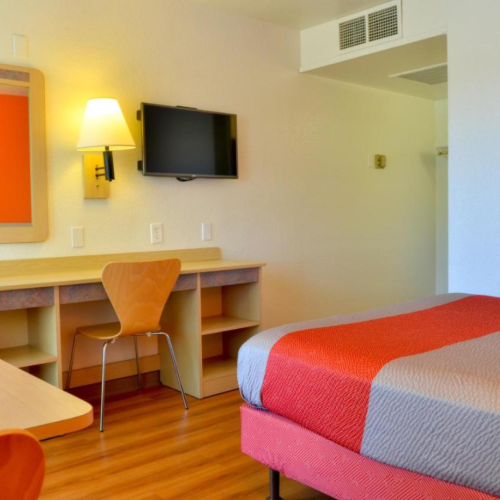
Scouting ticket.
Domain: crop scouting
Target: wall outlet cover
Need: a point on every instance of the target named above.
(156, 233)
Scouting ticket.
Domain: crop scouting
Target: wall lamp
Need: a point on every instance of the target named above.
(105, 130)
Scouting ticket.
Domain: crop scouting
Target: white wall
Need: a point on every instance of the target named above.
(474, 163)
(441, 198)
(337, 235)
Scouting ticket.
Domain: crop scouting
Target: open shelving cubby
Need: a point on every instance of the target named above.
(28, 340)
(230, 314)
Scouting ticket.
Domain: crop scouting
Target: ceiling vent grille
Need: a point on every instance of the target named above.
(383, 23)
(430, 75)
(352, 33)
(370, 27)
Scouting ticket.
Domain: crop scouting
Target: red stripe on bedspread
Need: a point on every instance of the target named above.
(321, 378)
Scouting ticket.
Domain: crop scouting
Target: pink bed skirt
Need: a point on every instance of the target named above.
(306, 457)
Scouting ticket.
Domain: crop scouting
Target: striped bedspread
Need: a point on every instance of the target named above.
(415, 385)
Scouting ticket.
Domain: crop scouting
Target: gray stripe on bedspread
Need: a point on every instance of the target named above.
(253, 354)
(456, 444)
(438, 413)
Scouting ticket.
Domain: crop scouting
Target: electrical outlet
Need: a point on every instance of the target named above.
(156, 233)
(206, 231)
(77, 237)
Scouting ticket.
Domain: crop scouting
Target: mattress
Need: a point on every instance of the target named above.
(415, 385)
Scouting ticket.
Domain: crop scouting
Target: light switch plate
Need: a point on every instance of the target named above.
(77, 237)
(20, 46)
(206, 231)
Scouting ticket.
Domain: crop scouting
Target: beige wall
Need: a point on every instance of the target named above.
(338, 236)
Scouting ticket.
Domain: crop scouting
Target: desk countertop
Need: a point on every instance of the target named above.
(26, 402)
(55, 277)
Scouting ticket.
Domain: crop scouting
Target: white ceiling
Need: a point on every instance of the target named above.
(298, 14)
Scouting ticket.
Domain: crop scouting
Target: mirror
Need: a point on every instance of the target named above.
(23, 170)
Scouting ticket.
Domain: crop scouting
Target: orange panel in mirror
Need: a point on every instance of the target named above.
(15, 171)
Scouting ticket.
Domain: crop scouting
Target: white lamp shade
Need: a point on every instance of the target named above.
(104, 126)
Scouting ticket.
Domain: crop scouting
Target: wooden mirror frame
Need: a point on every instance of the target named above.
(37, 230)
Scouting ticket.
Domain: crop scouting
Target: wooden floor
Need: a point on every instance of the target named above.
(152, 449)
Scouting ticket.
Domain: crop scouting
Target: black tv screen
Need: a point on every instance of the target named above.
(188, 143)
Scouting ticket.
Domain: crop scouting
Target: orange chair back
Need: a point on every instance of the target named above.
(22, 466)
(138, 292)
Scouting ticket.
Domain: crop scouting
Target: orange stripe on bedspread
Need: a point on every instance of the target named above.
(321, 378)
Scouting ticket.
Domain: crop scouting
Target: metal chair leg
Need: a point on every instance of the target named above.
(137, 363)
(176, 368)
(72, 357)
(103, 382)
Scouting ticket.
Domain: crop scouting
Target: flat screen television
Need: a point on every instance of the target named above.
(188, 143)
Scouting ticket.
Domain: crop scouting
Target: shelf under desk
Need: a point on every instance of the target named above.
(25, 356)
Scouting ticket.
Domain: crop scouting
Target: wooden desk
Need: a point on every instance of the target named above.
(215, 308)
(32, 404)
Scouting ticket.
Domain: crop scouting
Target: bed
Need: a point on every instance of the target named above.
(397, 403)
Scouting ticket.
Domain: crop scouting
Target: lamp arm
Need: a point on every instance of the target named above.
(109, 168)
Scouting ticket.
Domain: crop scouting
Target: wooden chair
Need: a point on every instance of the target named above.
(138, 292)
(22, 466)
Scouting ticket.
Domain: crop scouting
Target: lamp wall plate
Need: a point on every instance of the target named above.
(94, 187)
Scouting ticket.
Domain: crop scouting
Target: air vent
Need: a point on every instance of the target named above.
(430, 75)
(383, 23)
(370, 27)
(352, 33)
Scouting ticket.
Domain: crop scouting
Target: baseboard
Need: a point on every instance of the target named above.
(114, 371)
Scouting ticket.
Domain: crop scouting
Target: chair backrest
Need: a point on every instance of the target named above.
(138, 292)
(22, 465)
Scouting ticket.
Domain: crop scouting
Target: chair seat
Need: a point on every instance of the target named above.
(105, 331)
